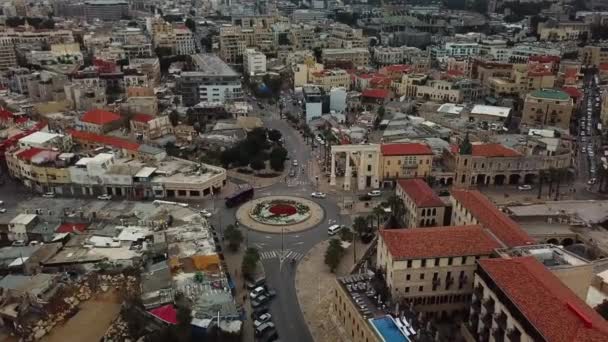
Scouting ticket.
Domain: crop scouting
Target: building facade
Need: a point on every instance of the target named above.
(423, 208)
(405, 160)
(548, 107)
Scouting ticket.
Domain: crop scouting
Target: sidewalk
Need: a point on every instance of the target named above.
(313, 284)
(233, 262)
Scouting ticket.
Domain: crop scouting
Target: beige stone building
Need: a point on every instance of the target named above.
(405, 160)
(547, 107)
(147, 127)
(302, 38)
(519, 299)
(331, 78)
(231, 44)
(423, 208)
(496, 164)
(563, 30)
(522, 79)
(421, 268)
(409, 84)
(594, 55)
(343, 36)
(357, 56)
(302, 72)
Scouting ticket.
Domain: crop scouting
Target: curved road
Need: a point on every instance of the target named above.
(285, 309)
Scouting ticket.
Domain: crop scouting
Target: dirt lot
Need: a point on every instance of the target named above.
(90, 323)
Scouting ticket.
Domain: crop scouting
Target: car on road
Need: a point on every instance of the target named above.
(525, 187)
(318, 195)
(374, 193)
(270, 293)
(2, 210)
(206, 213)
(334, 229)
(263, 318)
(260, 301)
(105, 197)
(592, 181)
(258, 291)
(294, 162)
(18, 243)
(49, 195)
(262, 329)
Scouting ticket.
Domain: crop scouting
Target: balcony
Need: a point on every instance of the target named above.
(501, 320)
(498, 334)
(488, 304)
(513, 335)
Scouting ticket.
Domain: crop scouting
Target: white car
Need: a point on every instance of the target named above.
(205, 213)
(592, 181)
(104, 197)
(49, 195)
(318, 195)
(263, 318)
(294, 162)
(2, 210)
(257, 292)
(525, 187)
(374, 193)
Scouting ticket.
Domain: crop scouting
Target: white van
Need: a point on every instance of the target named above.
(332, 230)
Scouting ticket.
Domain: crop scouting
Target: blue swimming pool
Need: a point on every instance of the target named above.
(388, 330)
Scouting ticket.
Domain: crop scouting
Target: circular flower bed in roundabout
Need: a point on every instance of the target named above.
(280, 212)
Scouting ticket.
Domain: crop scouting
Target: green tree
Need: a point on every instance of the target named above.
(278, 155)
(360, 225)
(257, 164)
(334, 254)
(190, 24)
(199, 277)
(397, 208)
(234, 237)
(379, 212)
(250, 262)
(274, 135)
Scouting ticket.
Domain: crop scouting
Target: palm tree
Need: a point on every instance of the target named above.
(397, 207)
(360, 225)
(379, 212)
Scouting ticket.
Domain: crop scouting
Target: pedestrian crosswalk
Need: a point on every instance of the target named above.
(286, 254)
(296, 182)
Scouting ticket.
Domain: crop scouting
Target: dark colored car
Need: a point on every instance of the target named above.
(257, 312)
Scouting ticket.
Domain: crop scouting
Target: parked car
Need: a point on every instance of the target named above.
(525, 187)
(318, 195)
(105, 197)
(263, 318)
(257, 312)
(375, 193)
(268, 326)
(334, 229)
(49, 195)
(257, 292)
(294, 162)
(206, 213)
(258, 302)
(2, 210)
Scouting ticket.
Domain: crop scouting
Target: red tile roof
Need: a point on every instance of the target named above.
(422, 194)
(71, 227)
(544, 59)
(572, 91)
(5, 114)
(29, 153)
(104, 140)
(556, 312)
(405, 149)
(376, 93)
(416, 243)
(486, 213)
(397, 68)
(165, 313)
(99, 117)
(493, 150)
(142, 118)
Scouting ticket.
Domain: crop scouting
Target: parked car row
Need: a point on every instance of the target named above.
(261, 295)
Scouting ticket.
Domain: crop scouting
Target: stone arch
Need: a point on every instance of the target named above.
(530, 178)
(449, 181)
(514, 178)
(553, 241)
(499, 179)
(567, 241)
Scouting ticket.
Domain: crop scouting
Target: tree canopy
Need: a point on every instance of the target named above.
(234, 236)
(334, 254)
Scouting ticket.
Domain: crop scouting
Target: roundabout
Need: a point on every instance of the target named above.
(274, 214)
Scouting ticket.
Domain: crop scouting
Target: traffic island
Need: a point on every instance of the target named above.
(277, 214)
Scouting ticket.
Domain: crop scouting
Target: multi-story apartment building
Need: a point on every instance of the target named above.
(254, 62)
(421, 268)
(213, 81)
(231, 44)
(492, 163)
(179, 40)
(423, 208)
(148, 66)
(147, 127)
(342, 36)
(520, 300)
(522, 79)
(405, 160)
(594, 55)
(302, 37)
(547, 107)
(8, 58)
(401, 55)
(330, 78)
(99, 121)
(302, 72)
(409, 83)
(356, 56)
(106, 9)
(455, 49)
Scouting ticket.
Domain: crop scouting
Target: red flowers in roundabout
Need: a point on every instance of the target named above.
(283, 209)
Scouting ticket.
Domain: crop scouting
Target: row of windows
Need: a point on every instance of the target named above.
(435, 261)
(445, 299)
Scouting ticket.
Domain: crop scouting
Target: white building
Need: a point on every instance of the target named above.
(254, 62)
(337, 100)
